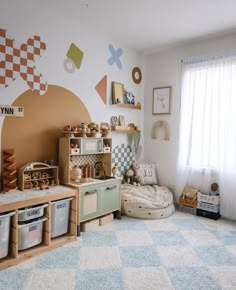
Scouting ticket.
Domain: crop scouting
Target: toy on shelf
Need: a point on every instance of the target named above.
(104, 129)
(93, 129)
(115, 171)
(9, 170)
(37, 175)
(214, 189)
(82, 130)
(106, 147)
(70, 131)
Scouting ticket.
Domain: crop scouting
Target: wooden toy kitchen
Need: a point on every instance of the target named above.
(99, 192)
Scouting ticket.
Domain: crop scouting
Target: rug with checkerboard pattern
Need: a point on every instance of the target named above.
(179, 252)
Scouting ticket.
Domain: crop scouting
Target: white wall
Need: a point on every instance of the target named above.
(58, 25)
(164, 69)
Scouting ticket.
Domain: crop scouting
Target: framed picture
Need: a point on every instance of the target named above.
(129, 98)
(117, 93)
(161, 100)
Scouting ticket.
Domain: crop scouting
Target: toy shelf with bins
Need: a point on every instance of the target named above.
(14, 201)
(32, 175)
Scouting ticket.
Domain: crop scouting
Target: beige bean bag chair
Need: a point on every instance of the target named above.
(146, 202)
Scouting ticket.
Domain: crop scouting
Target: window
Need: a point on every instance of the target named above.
(208, 113)
(207, 136)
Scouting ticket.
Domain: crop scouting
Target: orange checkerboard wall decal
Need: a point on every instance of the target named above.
(20, 61)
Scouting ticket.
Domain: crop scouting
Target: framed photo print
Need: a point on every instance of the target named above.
(161, 100)
(117, 93)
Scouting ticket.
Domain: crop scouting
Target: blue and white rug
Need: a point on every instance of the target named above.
(179, 252)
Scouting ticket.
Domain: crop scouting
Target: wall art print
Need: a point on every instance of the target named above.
(21, 61)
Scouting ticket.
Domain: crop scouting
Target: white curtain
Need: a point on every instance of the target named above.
(207, 139)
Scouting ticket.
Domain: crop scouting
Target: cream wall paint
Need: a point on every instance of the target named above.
(164, 69)
(58, 28)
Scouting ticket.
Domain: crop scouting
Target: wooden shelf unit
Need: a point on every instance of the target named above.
(15, 256)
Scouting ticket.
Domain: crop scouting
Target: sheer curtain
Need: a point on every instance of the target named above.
(207, 139)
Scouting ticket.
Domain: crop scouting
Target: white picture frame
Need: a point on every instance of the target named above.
(161, 100)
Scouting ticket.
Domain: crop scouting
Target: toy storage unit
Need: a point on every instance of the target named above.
(31, 227)
(208, 206)
(5, 220)
(60, 217)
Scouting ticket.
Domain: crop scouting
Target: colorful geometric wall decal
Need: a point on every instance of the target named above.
(115, 56)
(75, 55)
(21, 62)
(161, 125)
(101, 89)
(137, 75)
(69, 65)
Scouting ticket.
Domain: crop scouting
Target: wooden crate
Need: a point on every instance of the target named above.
(188, 202)
(90, 225)
(106, 219)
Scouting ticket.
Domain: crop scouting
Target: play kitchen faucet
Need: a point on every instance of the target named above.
(99, 168)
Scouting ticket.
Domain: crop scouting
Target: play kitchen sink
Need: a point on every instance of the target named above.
(103, 177)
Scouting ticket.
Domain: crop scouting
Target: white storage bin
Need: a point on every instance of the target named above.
(208, 199)
(31, 213)
(30, 234)
(208, 206)
(5, 220)
(60, 210)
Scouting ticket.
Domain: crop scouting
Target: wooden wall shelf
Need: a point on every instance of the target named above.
(129, 106)
(122, 129)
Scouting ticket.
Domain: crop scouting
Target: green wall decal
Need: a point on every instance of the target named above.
(75, 54)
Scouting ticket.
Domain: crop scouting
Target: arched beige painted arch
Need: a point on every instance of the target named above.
(161, 125)
(35, 136)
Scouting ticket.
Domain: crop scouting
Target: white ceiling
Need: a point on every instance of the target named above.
(144, 25)
(151, 25)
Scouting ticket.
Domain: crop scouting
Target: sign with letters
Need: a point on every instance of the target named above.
(12, 111)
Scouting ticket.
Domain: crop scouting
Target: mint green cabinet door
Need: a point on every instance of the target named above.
(110, 197)
(90, 202)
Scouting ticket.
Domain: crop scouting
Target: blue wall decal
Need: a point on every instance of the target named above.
(115, 56)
